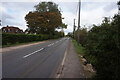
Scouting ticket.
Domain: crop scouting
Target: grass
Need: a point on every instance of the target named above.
(78, 47)
(81, 51)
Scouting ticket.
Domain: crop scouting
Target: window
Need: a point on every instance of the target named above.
(4, 30)
(8, 30)
(16, 30)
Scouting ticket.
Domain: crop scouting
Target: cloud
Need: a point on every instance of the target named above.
(93, 13)
(110, 6)
(58, 0)
(13, 13)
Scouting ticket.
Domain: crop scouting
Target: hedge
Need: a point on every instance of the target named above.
(8, 38)
(102, 49)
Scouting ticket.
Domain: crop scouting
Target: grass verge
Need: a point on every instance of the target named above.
(78, 47)
(81, 52)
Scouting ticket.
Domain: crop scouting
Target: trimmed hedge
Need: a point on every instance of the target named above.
(8, 38)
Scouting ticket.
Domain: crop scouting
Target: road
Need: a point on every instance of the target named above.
(37, 61)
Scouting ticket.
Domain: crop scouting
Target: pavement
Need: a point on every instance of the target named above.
(72, 67)
(40, 60)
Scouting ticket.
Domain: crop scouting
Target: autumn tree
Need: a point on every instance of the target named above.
(45, 19)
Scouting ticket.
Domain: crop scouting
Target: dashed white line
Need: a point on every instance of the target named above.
(33, 53)
(60, 40)
(50, 44)
(57, 41)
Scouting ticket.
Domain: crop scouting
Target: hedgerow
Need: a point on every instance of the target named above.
(8, 38)
(102, 48)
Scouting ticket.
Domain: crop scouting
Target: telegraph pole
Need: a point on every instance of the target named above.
(79, 21)
(74, 27)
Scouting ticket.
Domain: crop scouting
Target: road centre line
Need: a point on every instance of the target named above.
(60, 40)
(32, 53)
(57, 41)
(50, 44)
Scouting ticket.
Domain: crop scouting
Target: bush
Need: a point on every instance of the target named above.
(8, 38)
(82, 36)
(103, 48)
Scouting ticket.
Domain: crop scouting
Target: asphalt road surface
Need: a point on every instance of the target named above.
(37, 61)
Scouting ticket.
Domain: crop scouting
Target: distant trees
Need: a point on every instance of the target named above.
(70, 34)
(82, 36)
(45, 19)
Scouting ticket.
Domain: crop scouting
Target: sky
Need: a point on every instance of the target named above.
(13, 12)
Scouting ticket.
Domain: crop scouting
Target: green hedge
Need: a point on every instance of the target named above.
(23, 38)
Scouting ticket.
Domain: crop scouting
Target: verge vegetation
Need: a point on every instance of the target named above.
(102, 47)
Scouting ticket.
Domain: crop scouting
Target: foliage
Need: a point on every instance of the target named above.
(47, 7)
(45, 19)
(44, 24)
(70, 34)
(103, 48)
(0, 22)
(118, 3)
(23, 38)
(82, 36)
(63, 25)
(78, 47)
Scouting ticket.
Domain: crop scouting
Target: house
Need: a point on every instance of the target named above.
(11, 29)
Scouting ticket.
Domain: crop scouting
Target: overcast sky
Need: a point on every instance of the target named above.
(92, 11)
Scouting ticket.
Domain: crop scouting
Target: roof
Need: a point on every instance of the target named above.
(11, 27)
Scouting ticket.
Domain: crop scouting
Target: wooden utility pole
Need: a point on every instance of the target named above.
(74, 27)
(79, 21)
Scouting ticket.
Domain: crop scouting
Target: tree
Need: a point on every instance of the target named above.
(70, 34)
(103, 48)
(82, 36)
(118, 3)
(0, 22)
(45, 19)
(63, 25)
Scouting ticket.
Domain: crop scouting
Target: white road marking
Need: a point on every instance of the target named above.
(62, 64)
(50, 44)
(33, 53)
(57, 41)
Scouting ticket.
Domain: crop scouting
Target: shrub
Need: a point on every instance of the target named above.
(103, 48)
(8, 38)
